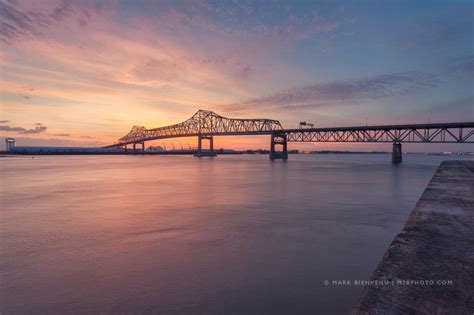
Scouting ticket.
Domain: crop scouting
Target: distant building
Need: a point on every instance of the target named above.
(10, 143)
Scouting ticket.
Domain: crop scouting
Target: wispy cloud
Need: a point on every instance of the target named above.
(4, 121)
(188, 46)
(343, 92)
(460, 66)
(21, 130)
(18, 23)
(59, 134)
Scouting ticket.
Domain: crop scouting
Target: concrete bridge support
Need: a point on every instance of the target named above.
(135, 149)
(200, 152)
(397, 153)
(278, 138)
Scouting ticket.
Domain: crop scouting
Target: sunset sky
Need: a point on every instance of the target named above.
(84, 72)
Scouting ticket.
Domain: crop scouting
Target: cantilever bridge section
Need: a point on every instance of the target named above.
(207, 124)
(203, 124)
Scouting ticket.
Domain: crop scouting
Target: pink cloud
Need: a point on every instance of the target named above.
(86, 56)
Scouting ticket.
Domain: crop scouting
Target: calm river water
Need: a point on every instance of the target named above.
(177, 234)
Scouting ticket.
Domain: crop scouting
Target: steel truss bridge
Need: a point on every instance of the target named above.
(207, 124)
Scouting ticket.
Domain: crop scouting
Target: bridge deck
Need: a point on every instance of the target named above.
(207, 123)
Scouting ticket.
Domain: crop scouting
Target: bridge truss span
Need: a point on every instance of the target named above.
(202, 123)
(416, 133)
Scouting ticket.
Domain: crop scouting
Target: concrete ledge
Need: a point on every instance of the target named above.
(436, 244)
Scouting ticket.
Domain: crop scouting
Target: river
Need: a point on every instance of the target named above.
(177, 234)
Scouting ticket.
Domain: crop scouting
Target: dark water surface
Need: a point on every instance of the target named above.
(177, 234)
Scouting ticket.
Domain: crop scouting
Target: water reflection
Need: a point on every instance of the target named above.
(178, 234)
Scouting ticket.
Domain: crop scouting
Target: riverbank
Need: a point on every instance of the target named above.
(429, 267)
(184, 152)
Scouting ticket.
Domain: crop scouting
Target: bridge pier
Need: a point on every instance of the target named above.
(200, 152)
(278, 138)
(397, 153)
(135, 149)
